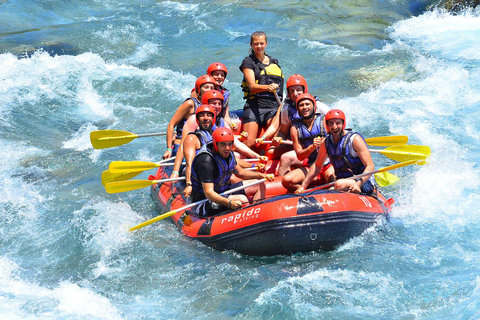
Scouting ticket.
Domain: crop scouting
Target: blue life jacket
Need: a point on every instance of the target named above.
(224, 168)
(179, 127)
(204, 137)
(343, 162)
(305, 137)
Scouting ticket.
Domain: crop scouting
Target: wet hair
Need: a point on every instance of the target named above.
(258, 34)
(254, 35)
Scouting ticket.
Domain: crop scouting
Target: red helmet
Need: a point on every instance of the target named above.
(212, 94)
(297, 80)
(304, 96)
(202, 80)
(221, 134)
(335, 114)
(205, 108)
(217, 66)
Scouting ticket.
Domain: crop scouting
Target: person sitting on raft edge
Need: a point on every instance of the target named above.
(348, 154)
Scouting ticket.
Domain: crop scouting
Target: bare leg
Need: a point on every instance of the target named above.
(292, 180)
(287, 160)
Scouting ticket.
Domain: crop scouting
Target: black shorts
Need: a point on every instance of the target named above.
(252, 112)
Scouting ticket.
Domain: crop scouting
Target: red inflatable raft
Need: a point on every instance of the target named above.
(281, 224)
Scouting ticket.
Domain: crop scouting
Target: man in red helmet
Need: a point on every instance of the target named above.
(212, 169)
(307, 135)
(348, 154)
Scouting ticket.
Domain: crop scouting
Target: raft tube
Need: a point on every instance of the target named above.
(282, 224)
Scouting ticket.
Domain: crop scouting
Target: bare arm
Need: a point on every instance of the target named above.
(187, 128)
(185, 109)
(246, 174)
(244, 149)
(299, 150)
(255, 87)
(208, 189)
(190, 145)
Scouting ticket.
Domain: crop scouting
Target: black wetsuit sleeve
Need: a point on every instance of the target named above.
(206, 168)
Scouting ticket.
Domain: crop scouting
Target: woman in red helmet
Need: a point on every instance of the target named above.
(219, 71)
(262, 78)
(185, 110)
(212, 169)
(348, 154)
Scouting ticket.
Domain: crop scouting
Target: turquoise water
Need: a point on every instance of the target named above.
(67, 68)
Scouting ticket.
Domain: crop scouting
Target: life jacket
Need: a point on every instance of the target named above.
(340, 155)
(179, 127)
(203, 136)
(264, 75)
(225, 170)
(305, 137)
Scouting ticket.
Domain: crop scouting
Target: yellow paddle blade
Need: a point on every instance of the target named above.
(108, 176)
(123, 186)
(127, 166)
(387, 141)
(157, 218)
(385, 179)
(408, 152)
(102, 139)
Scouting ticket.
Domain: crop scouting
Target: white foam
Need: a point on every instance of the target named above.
(106, 229)
(26, 300)
(453, 36)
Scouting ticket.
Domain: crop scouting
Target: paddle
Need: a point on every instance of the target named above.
(171, 213)
(384, 179)
(376, 141)
(102, 139)
(128, 166)
(404, 153)
(387, 141)
(123, 186)
(108, 176)
(384, 169)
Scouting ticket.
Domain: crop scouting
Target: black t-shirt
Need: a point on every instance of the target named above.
(206, 168)
(207, 171)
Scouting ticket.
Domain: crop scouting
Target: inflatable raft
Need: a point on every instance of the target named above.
(281, 224)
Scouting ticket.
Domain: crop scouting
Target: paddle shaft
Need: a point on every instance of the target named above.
(133, 136)
(392, 167)
(171, 213)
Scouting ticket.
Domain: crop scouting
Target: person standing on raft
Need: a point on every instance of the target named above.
(212, 169)
(262, 76)
(348, 154)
